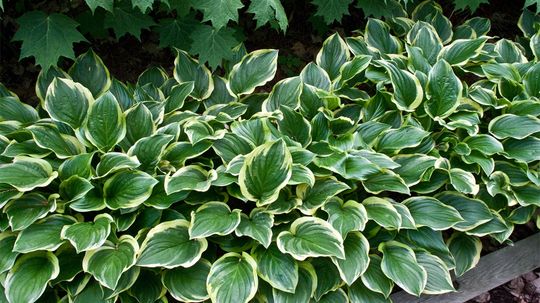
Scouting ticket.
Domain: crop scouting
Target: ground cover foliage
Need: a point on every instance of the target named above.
(380, 166)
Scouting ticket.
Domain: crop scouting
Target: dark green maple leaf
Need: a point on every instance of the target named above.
(176, 32)
(268, 10)
(332, 10)
(126, 20)
(219, 12)
(47, 37)
(472, 5)
(106, 4)
(212, 45)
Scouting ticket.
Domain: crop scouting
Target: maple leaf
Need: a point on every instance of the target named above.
(105, 4)
(219, 12)
(47, 37)
(176, 32)
(126, 20)
(332, 10)
(268, 10)
(212, 45)
(472, 5)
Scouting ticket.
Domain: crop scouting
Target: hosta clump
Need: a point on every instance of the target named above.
(381, 164)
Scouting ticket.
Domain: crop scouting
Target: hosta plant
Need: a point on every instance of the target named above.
(380, 166)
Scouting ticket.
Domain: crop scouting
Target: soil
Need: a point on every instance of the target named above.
(128, 57)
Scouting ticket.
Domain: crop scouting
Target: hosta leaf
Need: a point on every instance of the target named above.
(463, 181)
(278, 269)
(285, 92)
(413, 167)
(47, 37)
(513, 126)
(315, 197)
(108, 262)
(7, 255)
(328, 278)
(128, 189)
(113, 162)
(382, 212)
(408, 92)
(374, 278)
(255, 69)
(11, 109)
(461, 50)
(311, 237)
(399, 264)
(443, 90)
(268, 10)
(28, 278)
(139, 123)
(85, 235)
(346, 217)
(485, 144)
(48, 136)
(438, 276)
(295, 126)
(168, 245)
(74, 188)
(27, 173)
(527, 195)
(403, 137)
(473, 211)
(336, 296)
(188, 69)
(257, 226)
(67, 101)
(213, 218)
(42, 235)
(359, 293)
(377, 36)
(148, 150)
(333, 54)
(148, 287)
(466, 250)
(307, 282)
(431, 212)
(356, 258)
(90, 71)
(178, 95)
(315, 76)
(233, 277)
(25, 210)
(526, 150)
(260, 179)
(188, 284)
(191, 177)
(106, 124)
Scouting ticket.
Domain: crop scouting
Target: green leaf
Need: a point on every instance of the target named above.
(336, 296)
(7, 255)
(461, 50)
(278, 269)
(438, 276)
(443, 90)
(28, 278)
(187, 69)
(148, 150)
(382, 212)
(191, 177)
(374, 278)
(105, 4)
(333, 54)
(526, 150)
(428, 211)
(47, 37)
(178, 95)
(268, 10)
(25, 210)
(485, 144)
(260, 178)
(112, 162)
(463, 181)
(233, 278)
(332, 10)
(466, 251)
(219, 12)
(188, 284)
(513, 126)
(68, 102)
(473, 211)
(176, 32)
(295, 126)
(359, 293)
(106, 124)
(378, 38)
(139, 124)
(126, 20)
(42, 235)
(143, 5)
(527, 195)
(311, 237)
(213, 45)
(408, 92)
(356, 258)
(90, 71)
(472, 5)
(11, 109)
(128, 189)
(399, 264)
(257, 226)
(413, 167)
(85, 235)
(213, 218)
(108, 262)
(328, 278)
(315, 197)
(169, 245)
(307, 283)
(346, 217)
(27, 173)
(48, 136)
(255, 69)
(400, 138)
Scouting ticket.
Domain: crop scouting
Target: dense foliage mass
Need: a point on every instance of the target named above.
(381, 164)
(205, 28)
